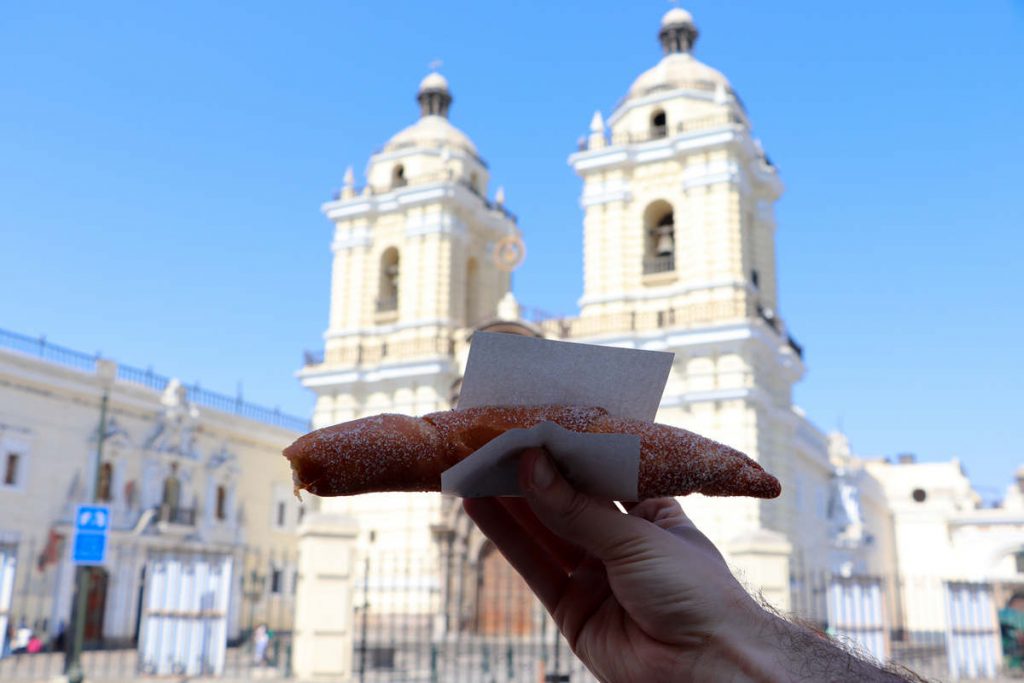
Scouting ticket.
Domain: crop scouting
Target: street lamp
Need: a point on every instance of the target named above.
(106, 373)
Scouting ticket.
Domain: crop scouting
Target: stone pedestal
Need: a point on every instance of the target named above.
(760, 560)
(323, 636)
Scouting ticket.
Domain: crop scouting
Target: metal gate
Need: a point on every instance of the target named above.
(8, 561)
(856, 614)
(184, 616)
(972, 630)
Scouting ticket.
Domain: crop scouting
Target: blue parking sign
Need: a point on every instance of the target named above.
(92, 522)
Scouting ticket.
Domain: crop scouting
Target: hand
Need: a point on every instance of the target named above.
(639, 597)
(645, 596)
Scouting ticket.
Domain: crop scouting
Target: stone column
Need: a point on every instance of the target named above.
(323, 636)
(760, 560)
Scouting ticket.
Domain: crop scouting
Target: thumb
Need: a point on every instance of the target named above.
(593, 525)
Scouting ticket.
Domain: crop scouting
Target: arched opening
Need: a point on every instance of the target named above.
(659, 238)
(95, 603)
(472, 293)
(398, 176)
(659, 124)
(387, 292)
(504, 602)
(170, 498)
(105, 483)
(473, 183)
(222, 503)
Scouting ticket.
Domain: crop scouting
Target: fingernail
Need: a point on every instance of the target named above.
(543, 473)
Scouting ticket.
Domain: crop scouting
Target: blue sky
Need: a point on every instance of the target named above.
(162, 166)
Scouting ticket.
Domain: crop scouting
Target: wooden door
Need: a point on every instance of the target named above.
(95, 604)
(504, 601)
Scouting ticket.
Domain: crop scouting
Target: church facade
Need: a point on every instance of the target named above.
(679, 255)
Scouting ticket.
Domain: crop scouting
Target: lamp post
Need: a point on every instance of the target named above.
(253, 590)
(366, 607)
(106, 372)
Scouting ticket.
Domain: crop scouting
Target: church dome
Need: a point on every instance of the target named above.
(677, 15)
(674, 71)
(678, 68)
(431, 131)
(434, 81)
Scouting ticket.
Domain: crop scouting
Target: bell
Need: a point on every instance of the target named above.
(666, 244)
(392, 274)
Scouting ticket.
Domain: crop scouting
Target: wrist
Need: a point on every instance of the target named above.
(754, 648)
(746, 648)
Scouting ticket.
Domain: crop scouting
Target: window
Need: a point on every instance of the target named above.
(398, 177)
(222, 503)
(387, 300)
(755, 278)
(660, 239)
(275, 580)
(105, 484)
(302, 513)
(919, 495)
(11, 469)
(1019, 560)
(281, 513)
(472, 294)
(659, 126)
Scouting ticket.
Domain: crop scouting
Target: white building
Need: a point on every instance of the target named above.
(190, 477)
(939, 532)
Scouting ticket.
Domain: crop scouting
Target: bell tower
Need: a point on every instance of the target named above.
(412, 267)
(413, 272)
(679, 255)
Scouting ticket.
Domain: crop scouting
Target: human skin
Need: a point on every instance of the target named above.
(645, 596)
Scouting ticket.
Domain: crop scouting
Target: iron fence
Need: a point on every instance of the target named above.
(155, 609)
(160, 608)
(472, 623)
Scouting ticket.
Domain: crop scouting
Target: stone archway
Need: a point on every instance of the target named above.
(482, 593)
(504, 603)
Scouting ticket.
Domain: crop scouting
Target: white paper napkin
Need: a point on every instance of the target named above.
(506, 369)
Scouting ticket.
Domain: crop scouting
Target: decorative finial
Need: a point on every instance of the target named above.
(499, 196)
(348, 187)
(596, 139)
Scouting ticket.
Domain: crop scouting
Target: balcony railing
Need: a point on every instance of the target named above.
(40, 347)
(430, 178)
(387, 304)
(659, 264)
(177, 515)
(719, 120)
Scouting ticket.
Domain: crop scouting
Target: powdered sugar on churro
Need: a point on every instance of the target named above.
(400, 453)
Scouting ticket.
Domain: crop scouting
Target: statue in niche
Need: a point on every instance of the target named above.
(846, 520)
(177, 425)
